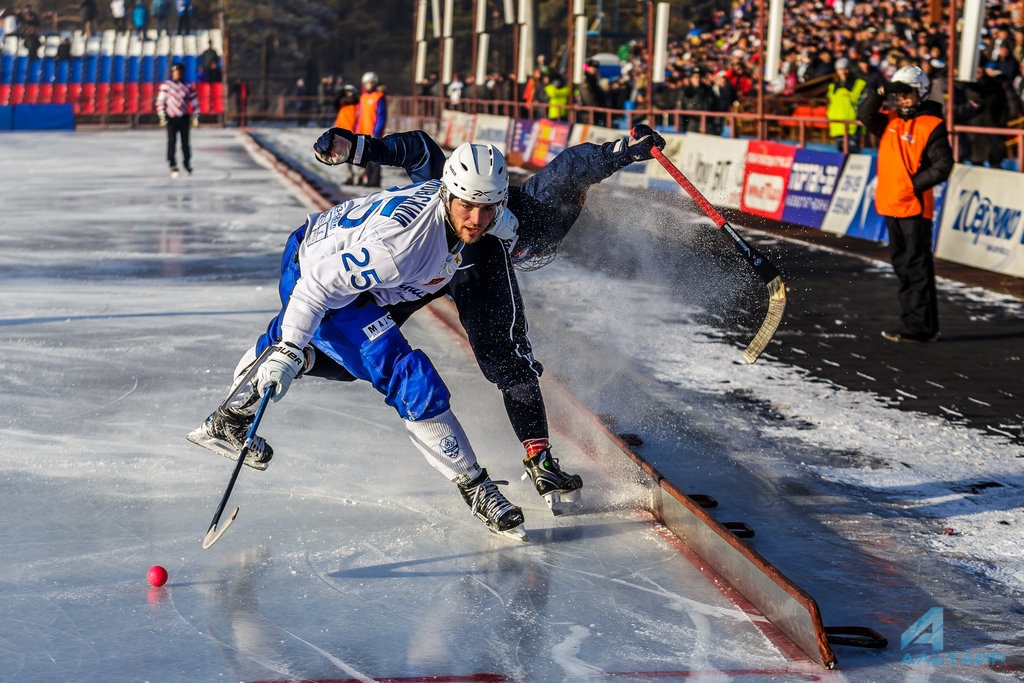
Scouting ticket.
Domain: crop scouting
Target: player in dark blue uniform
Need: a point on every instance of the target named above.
(487, 294)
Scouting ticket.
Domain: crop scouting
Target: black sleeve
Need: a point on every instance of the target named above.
(937, 162)
(869, 112)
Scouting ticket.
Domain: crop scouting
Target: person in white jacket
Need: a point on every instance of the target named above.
(338, 272)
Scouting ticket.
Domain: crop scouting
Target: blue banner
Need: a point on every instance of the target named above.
(812, 180)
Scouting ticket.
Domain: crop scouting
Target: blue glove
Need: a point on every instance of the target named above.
(642, 139)
(335, 146)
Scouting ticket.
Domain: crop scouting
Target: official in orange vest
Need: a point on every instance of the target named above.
(348, 111)
(373, 108)
(348, 108)
(914, 155)
(371, 119)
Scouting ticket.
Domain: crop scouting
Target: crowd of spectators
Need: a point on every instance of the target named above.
(714, 67)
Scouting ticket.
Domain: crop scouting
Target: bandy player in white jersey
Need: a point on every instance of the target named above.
(338, 270)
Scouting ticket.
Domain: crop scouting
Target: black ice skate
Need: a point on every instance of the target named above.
(561, 491)
(224, 432)
(485, 500)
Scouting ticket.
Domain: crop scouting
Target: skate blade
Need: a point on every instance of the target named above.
(200, 438)
(516, 533)
(564, 502)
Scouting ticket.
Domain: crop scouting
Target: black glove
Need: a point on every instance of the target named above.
(642, 139)
(335, 146)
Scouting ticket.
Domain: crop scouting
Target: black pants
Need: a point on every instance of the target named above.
(179, 125)
(910, 247)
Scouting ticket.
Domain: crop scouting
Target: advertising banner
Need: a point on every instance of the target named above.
(850, 200)
(715, 165)
(981, 220)
(492, 130)
(812, 181)
(767, 175)
(460, 129)
(548, 139)
(518, 145)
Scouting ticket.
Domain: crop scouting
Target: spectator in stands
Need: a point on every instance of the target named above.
(843, 96)
(723, 98)
(64, 50)
(177, 106)
(214, 74)
(8, 26)
(428, 86)
(118, 12)
(987, 102)
(533, 92)
(592, 94)
(695, 96)
(557, 92)
(914, 156)
(28, 20)
(32, 42)
(140, 19)
(454, 91)
(372, 120)
(89, 13)
(161, 12)
(185, 9)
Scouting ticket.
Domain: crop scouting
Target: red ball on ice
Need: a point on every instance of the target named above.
(157, 575)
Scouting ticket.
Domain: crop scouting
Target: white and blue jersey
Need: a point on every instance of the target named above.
(344, 265)
(391, 244)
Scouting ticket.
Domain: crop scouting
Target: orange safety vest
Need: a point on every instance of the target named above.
(900, 151)
(346, 116)
(367, 117)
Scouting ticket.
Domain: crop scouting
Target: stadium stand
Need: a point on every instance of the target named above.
(109, 73)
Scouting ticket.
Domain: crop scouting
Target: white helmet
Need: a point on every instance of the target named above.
(913, 77)
(370, 77)
(478, 174)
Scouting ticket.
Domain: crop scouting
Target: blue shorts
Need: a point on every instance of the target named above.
(364, 339)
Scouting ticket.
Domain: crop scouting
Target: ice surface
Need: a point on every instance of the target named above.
(128, 298)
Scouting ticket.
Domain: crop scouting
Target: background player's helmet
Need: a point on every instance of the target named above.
(909, 79)
(478, 174)
(370, 77)
(177, 66)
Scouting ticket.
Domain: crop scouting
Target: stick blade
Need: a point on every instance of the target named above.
(214, 534)
(776, 307)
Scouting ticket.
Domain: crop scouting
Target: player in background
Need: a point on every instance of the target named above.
(177, 106)
(340, 271)
(487, 294)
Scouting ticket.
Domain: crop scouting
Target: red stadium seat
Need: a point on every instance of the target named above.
(102, 98)
(217, 98)
(116, 98)
(147, 98)
(87, 99)
(203, 91)
(131, 98)
(820, 112)
(45, 93)
(5, 94)
(31, 94)
(74, 97)
(17, 93)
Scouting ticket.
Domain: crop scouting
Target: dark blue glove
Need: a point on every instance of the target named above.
(335, 146)
(642, 139)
